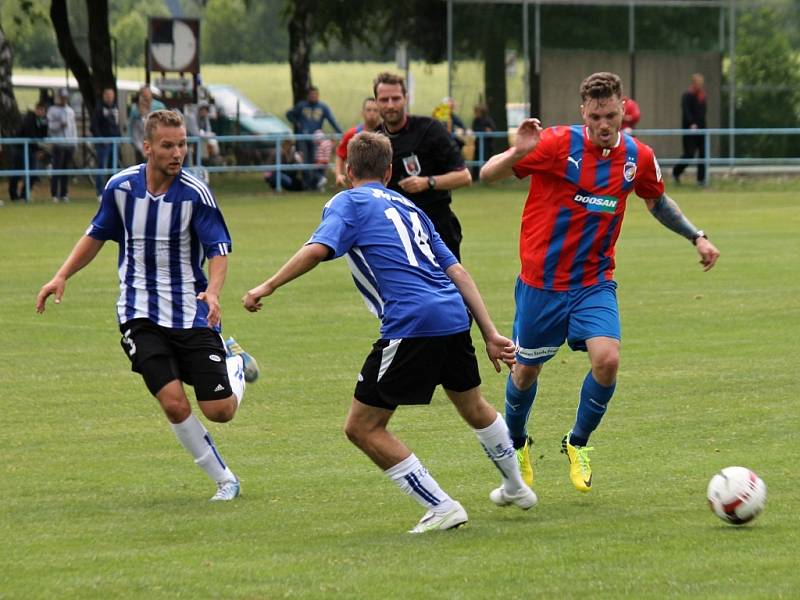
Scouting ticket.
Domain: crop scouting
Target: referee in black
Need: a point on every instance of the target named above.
(426, 162)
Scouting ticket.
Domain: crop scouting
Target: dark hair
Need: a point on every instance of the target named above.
(388, 79)
(312, 88)
(601, 86)
(369, 155)
(364, 103)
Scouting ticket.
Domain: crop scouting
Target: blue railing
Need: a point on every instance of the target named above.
(274, 143)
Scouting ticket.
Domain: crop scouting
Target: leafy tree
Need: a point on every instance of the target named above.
(130, 33)
(10, 118)
(30, 32)
(224, 24)
(91, 81)
(768, 82)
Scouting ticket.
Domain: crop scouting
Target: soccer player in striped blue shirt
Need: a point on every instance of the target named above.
(420, 292)
(167, 224)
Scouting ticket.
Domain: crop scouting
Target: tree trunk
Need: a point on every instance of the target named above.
(300, 49)
(100, 47)
(70, 54)
(10, 119)
(494, 78)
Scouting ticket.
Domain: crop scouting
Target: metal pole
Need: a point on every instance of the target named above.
(632, 48)
(537, 37)
(525, 53)
(27, 172)
(449, 48)
(732, 81)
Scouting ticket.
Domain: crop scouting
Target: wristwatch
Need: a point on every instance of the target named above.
(698, 234)
(431, 182)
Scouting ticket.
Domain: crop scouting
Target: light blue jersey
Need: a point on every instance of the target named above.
(397, 259)
(163, 242)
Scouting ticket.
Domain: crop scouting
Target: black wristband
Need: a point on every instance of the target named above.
(431, 182)
(698, 234)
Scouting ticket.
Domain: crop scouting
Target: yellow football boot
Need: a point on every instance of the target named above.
(580, 472)
(524, 462)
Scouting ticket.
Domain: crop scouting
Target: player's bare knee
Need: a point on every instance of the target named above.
(219, 411)
(605, 367)
(524, 376)
(176, 410)
(355, 433)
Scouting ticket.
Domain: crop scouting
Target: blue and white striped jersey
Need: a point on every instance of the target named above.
(163, 242)
(397, 259)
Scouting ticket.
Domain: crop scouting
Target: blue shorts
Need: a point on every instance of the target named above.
(545, 319)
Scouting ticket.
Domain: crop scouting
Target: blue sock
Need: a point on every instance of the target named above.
(591, 408)
(518, 408)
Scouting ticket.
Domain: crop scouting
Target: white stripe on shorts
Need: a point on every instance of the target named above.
(387, 356)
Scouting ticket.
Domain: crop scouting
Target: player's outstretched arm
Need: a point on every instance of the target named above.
(499, 166)
(305, 259)
(669, 214)
(82, 254)
(498, 347)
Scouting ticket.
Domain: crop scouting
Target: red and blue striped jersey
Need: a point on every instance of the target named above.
(576, 203)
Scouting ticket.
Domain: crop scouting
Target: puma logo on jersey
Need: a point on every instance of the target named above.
(577, 162)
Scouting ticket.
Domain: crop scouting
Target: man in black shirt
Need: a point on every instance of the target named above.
(34, 125)
(426, 162)
(693, 116)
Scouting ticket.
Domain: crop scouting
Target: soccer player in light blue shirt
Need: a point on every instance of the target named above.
(167, 225)
(420, 292)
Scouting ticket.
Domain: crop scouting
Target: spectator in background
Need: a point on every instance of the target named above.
(371, 119)
(307, 116)
(446, 113)
(105, 123)
(291, 181)
(482, 123)
(61, 124)
(323, 148)
(34, 125)
(630, 116)
(198, 124)
(693, 116)
(143, 105)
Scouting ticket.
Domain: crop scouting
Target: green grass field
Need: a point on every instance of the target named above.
(99, 500)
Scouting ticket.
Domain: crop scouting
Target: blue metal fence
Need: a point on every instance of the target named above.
(274, 143)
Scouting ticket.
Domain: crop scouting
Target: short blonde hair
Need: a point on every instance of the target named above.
(369, 154)
(167, 118)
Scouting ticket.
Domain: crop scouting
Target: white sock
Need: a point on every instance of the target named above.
(197, 441)
(496, 441)
(235, 366)
(413, 478)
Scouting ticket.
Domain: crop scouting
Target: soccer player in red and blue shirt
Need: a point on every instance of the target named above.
(580, 179)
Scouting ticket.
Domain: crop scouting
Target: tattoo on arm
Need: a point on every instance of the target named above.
(667, 212)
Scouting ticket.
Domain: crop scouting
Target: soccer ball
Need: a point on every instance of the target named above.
(737, 495)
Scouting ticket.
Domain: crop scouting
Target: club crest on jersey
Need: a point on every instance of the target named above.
(595, 203)
(411, 165)
(629, 171)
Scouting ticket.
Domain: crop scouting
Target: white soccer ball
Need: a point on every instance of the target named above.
(737, 495)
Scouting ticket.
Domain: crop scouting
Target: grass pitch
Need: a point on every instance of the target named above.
(99, 500)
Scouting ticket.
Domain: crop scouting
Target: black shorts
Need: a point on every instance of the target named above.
(449, 229)
(406, 371)
(161, 354)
